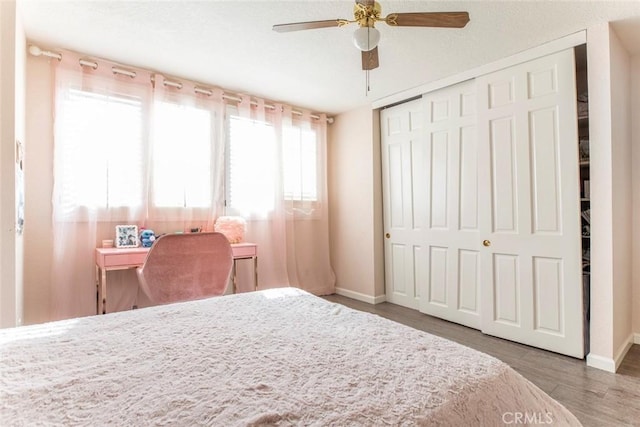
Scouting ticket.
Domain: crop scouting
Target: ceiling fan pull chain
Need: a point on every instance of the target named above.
(368, 88)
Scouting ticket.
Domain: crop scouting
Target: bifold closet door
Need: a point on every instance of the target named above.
(529, 198)
(402, 131)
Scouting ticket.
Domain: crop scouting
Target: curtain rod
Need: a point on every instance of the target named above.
(36, 51)
(208, 92)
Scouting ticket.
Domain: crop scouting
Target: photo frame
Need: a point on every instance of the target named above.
(126, 236)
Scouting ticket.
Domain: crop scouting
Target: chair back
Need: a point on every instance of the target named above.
(182, 267)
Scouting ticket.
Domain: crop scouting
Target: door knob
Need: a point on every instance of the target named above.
(387, 235)
(486, 243)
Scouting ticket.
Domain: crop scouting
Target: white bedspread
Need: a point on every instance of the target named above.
(278, 357)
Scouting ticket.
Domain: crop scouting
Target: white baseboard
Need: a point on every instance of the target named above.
(361, 297)
(608, 364)
(602, 363)
(623, 350)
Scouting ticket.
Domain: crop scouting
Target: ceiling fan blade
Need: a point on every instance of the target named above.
(370, 59)
(311, 25)
(428, 19)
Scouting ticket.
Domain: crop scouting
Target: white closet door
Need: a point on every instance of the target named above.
(451, 286)
(530, 216)
(402, 129)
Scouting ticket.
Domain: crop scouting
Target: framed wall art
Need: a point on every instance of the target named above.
(126, 236)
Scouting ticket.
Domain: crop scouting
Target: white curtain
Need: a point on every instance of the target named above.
(126, 151)
(129, 151)
(82, 188)
(291, 230)
(186, 161)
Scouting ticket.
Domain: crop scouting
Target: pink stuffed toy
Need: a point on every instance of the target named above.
(233, 227)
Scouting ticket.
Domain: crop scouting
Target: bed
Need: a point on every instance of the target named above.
(274, 357)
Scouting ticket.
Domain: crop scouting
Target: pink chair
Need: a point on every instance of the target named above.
(182, 267)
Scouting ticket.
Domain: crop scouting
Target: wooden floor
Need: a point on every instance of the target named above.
(596, 397)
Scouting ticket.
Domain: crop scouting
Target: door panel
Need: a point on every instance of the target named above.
(438, 276)
(543, 81)
(503, 175)
(399, 282)
(396, 186)
(469, 283)
(419, 270)
(545, 173)
(439, 179)
(547, 288)
(468, 179)
(501, 92)
(418, 182)
(506, 292)
(532, 287)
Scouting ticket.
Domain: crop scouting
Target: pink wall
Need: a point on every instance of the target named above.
(355, 215)
(612, 260)
(622, 195)
(20, 102)
(39, 186)
(12, 120)
(635, 136)
(601, 183)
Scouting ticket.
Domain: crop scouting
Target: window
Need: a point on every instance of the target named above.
(117, 153)
(103, 141)
(299, 164)
(182, 166)
(99, 153)
(255, 165)
(251, 167)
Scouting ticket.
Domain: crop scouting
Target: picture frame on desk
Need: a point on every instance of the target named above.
(126, 236)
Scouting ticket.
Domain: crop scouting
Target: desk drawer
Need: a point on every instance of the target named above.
(244, 251)
(122, 260)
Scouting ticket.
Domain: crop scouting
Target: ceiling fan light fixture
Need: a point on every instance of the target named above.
(367, 13)
(366, 38)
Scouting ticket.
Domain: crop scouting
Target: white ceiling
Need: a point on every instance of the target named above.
(230, 44)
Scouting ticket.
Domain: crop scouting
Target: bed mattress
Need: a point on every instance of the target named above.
(274, 357)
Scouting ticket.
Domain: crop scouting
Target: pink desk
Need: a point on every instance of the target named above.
(108, 259)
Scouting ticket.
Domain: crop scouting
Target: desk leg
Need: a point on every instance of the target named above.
(97, 290)
(103, 292)
(255, 271)
(234, 275)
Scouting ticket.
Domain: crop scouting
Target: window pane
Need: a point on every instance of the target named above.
(300, 164)
(181, 156)
(98, 151)
(252, 167)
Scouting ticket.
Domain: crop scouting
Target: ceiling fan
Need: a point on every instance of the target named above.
(366, 13)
